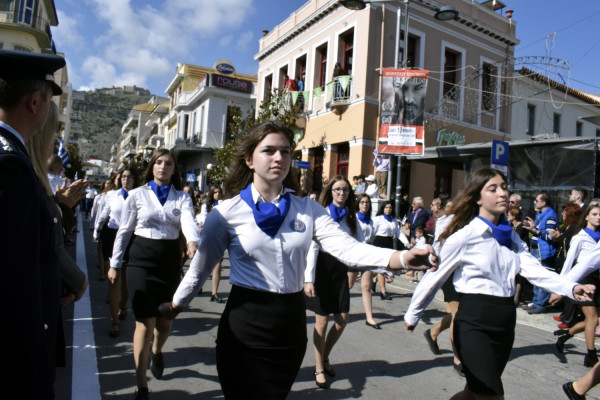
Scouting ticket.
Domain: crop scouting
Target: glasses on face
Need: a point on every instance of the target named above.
(363, 202)
(511, 202)
(340, 190)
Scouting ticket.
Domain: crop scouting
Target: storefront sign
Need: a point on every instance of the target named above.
(445, 138)
(224, 67)
(227, 82)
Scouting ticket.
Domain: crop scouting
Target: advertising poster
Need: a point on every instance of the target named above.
(402, 130)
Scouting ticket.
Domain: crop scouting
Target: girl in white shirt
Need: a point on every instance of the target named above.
(268, 231)
(326, 279)
(109, 185)
(581, 245)
(212, 199)
(153, 215)
(363, 204)
(118, 295)
(485, 255)
(385, 229)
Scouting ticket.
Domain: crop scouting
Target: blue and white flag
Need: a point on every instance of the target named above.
(63, 154)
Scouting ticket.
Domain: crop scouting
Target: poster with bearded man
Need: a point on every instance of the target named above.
(402, 108)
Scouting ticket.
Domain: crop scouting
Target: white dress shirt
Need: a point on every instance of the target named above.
(371, 190)
(367, 229)
(55, 181)
(143, 215)
(482, 266)
(276, 264)
(586, 264)
(313, 252)
(200, 218)
(385, 228)
(581, 245)
(111, 210)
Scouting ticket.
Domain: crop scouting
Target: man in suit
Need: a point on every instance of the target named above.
(418, 216)
(30, 287)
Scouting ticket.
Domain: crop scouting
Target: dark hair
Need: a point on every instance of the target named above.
(192, 193)
(516, 213)
(382, 207)
(573, 214)
(240, 174)
(545, 197)
(120, 175)
(582, 192)
(13, 90)
(149, 173)
(209, 197)
(583, 222)
(326, 198)
(360, 197)
(465, 207)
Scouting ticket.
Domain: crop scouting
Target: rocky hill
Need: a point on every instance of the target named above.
(101, 114)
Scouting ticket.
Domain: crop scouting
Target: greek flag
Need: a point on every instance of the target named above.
(63, 154)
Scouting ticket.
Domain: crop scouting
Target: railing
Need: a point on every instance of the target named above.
(39, 23)
(339, 91)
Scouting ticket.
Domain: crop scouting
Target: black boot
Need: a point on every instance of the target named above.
(562, 339)
(591, 358)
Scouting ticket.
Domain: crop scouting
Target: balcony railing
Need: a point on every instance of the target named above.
(26, 18)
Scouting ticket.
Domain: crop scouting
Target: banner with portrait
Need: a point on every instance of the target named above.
(402, 108)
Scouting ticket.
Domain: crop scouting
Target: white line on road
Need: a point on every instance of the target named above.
(85, 384)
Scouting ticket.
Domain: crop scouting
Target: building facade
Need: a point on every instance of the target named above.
(464, 104)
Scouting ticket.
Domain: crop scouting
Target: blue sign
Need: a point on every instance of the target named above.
(302, 164)
(190, 178)
(500, 156)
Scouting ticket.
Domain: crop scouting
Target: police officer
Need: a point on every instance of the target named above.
(30, 284)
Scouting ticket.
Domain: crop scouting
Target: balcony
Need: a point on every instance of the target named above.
(339, 93)
(39, 26)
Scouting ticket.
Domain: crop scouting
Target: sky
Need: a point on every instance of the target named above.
(139, 42)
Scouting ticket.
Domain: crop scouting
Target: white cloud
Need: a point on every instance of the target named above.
(67, 32)
(245, 40)
(226, 40)
(104, 74)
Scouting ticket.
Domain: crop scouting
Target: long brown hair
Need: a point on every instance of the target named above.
(587, 212)
(209, 198)
(465, 206)
(149, 173)
(326, 198)
(240, 174)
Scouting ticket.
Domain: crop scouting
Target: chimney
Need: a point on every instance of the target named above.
(265, 32)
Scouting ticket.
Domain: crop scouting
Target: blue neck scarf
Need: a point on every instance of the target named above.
(337, 213)
(215, 203)
(267, 215)
(161, 191)
(365, 219)
(124, 193)
(594, 234)
(502, 232)
(387, 217)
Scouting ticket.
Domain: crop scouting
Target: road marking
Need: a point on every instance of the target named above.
(85, 384)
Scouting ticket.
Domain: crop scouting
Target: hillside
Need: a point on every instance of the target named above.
(102, 115)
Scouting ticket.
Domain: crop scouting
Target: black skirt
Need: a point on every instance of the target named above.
(260, 343)
(450, 293)
(107, 235)
(153, 274)
(332, 294)
(484, 332)
(384, 241)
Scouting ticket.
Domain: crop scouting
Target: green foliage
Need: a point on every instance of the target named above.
(276, 107)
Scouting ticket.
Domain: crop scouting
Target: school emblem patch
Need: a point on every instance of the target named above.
(298, 226)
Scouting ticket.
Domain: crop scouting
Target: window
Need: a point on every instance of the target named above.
(343, 157)
(556, 123)
(22, 48)
(186, 119)
(27, 11)
(579, 129)
(412, 57)
(268, 87)
(347, 46)
(451, 73)
(489, 72)
(530, 119)
(321, 65)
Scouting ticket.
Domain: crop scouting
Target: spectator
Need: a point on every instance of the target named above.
(418, 216)
(382, 166)
(30, 269)
(577, 196)
(361, 186)
(290, 85)
(371, 189)
(522, 287)
(404, 206)
(541, 245)
(55, 169)
(90, 194)
(436, 212)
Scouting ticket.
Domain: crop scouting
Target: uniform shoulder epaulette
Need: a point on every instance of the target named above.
(5, 145)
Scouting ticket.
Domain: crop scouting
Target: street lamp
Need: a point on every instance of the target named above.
(443, 13)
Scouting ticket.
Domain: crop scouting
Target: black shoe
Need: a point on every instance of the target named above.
(215, 297)
(329, 371)
(459, 369)
(322, 385)
(560, 343)
(373, 287)
(384, 296)
(142, 394)
(591, 358)
(157, 365)
(536, 310)
(433, 346)
(560, 332)
(571, 393)
(374, 326)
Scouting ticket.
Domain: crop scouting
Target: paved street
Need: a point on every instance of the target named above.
(387, 364)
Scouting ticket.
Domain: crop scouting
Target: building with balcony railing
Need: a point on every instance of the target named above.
(464, 56)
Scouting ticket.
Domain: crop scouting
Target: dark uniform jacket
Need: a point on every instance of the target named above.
(30, 286)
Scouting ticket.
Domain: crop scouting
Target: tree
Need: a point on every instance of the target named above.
(277, 106)
(74, 166)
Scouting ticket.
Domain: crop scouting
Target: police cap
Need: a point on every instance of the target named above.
(17, 65)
